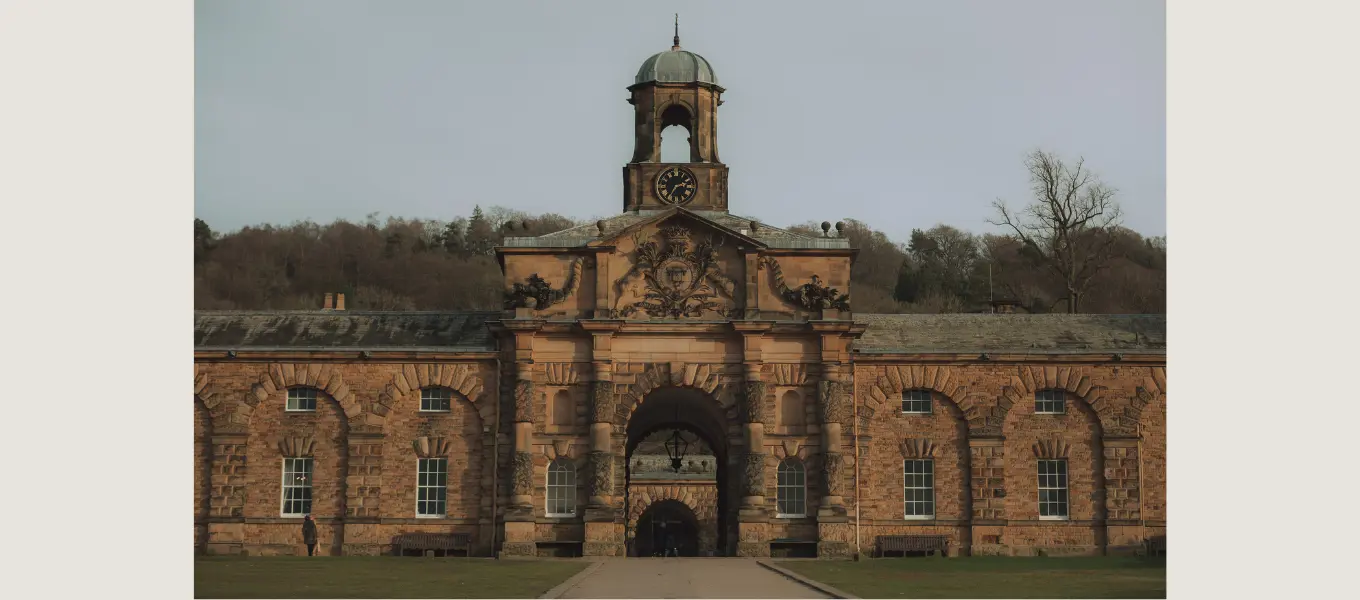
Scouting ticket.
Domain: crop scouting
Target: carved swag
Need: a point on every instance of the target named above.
(523, 474)
(833, 465)
(678, 282)
(832, 401)
(537, 294)
(754, 475)
(601, 401)
(601, 474)
(524, 401)
(753, 402)
(809, 296)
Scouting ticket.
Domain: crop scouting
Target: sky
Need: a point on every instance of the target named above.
(903, 115)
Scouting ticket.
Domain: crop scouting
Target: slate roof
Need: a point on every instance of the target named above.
(307, 330)
(1047, 333)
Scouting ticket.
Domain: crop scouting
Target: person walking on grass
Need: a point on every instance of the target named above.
(309, 535)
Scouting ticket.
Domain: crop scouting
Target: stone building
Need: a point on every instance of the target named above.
(1007, 433)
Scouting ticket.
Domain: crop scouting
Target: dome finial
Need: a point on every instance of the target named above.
(677, 32)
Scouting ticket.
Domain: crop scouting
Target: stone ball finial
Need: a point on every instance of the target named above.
(599, 225)
(840, 228)
(755, 225)
(524, 225)
(825, 227)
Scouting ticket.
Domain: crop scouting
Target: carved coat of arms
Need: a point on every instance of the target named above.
(673, 280)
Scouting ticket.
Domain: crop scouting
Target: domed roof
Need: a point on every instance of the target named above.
(676, 66)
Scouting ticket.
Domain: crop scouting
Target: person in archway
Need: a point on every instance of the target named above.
(670, 545)
(309, 535)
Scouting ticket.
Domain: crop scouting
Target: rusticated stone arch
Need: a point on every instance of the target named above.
(939, 379)
(704, 377)
(209, 398)
(464, 378)
(1075, 381)
(278, 377)
(661, 492)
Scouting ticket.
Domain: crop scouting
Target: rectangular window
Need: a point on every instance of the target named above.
(301, 399)
(1049, 402)
(1053, 489)
(791, 491)
(435, 400)
(297, 487)
(919, 482)
(432, 479)
(916, 401)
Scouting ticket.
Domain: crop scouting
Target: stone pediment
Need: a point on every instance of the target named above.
(681, 217)
(678, 265)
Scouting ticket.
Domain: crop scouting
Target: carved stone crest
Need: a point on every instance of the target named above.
(676, 281)
(538, 294)
(601, 401)
(809, 296)
(754, 475)
(523, 474)
(601, 474)
(833, 466)
(831, 401)
(524, 401)
(753, 402)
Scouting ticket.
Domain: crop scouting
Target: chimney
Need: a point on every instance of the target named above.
(328, 303)
(339, 302)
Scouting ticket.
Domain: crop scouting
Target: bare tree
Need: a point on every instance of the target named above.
(1068, 224)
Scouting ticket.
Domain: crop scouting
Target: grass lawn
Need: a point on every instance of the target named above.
(376, 577)
(992, 577)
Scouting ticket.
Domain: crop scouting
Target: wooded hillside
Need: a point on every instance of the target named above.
(1064, 251)
(412, 264)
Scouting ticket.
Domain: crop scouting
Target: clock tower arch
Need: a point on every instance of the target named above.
(675, 87)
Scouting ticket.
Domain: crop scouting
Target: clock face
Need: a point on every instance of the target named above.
(676, 185)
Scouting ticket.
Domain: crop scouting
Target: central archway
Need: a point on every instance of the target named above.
(700, 416)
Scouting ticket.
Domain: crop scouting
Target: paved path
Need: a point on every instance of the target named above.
(687, 578)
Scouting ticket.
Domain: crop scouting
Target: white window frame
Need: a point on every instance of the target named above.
(289, 476)
(1054, 479)
(432, 479)
(561, 488)
(913, 397)
(295, 397)
(1042, 398)
(790, 467)
(925, 481)
(430, 395)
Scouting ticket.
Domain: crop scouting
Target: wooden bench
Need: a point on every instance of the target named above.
(1156, 546)
(447, 543)
(793, 548)
(911, 544)
(560, 548)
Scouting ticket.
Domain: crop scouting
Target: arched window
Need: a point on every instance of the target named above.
(563, 409)
(435, 399)
(675, 134)
(916, 402)
(1050, 402)
(561, 489)
(791, 493)
(301, 399)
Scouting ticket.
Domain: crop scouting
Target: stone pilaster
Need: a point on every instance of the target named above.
(1123, 507)
(226, 504)
(833, 410)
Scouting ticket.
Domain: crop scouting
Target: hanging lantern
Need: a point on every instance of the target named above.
(676, 447)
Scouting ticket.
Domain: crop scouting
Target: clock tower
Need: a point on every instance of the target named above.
(676, 87)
